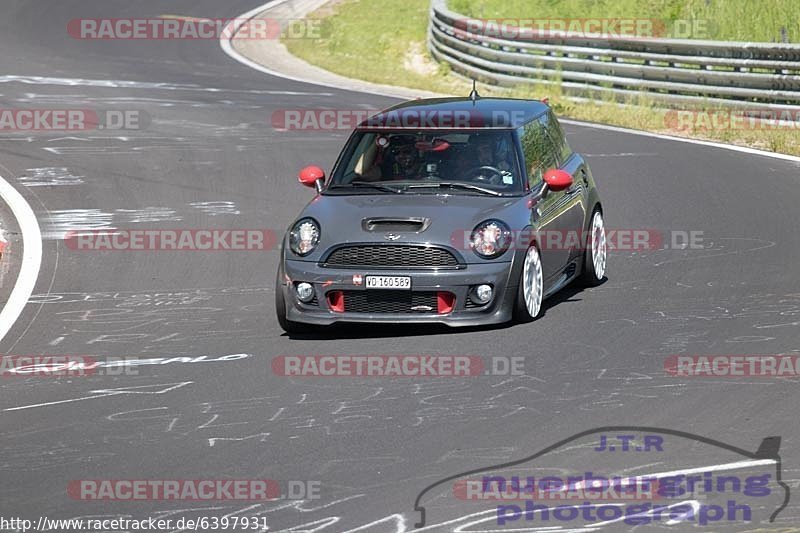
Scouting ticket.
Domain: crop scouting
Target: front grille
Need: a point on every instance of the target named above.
(389, 301)
(376, 255)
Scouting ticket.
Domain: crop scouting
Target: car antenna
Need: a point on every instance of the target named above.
(474, 94)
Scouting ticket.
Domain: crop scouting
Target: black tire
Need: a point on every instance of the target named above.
(521, 312)
(288, 326)
(589, 276)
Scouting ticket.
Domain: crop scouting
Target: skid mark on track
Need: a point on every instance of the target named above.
(87, 100)
(104, 393)
(38, 457)
(215, 208)
(49, 177)
(624, 154)
(58, 223)
(147, 214)
(262, 437)
(126, 84)
(724, 246)
(157, 321)
(342, 413)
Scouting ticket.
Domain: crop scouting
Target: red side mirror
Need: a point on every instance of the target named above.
(557, 180)
(309, 175)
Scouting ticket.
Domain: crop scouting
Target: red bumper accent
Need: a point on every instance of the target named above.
(336, 301)
(446, 301)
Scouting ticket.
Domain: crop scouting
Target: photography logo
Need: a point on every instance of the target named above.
(605, 477)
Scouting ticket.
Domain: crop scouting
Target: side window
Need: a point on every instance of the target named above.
(562, 148)
(537, 148)
(359, 166)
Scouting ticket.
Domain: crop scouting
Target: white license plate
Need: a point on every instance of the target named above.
(389, 282)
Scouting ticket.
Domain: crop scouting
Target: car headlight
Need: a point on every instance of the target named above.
(304, 236)
(490, 239)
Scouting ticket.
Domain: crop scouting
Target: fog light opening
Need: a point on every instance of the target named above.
(482, 294)
(304, 291)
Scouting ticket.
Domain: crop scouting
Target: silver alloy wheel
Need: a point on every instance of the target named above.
(532, 281)
(599, 246)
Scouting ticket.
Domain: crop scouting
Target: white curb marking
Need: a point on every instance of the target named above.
(31, 258)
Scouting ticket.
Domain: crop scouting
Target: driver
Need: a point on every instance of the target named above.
(406, 162)
(488, 153)
(403, 161)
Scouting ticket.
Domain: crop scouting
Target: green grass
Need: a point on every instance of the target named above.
(370, 39)
(376, 41)
(730, 20)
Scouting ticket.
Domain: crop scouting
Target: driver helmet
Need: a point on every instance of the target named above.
(484, 147)
(403, 144)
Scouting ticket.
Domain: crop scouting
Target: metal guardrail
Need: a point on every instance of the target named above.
(753, 76)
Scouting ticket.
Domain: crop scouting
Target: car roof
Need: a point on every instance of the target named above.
(455, 113)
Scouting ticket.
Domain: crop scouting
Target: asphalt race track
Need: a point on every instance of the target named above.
(210, 158)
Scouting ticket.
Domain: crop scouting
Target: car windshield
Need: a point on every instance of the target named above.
(425, 162)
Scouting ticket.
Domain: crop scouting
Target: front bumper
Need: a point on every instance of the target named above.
(503, 276)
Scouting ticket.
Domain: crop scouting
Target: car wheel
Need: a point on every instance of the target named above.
(288, 326)
(530, 290)
(596, 254)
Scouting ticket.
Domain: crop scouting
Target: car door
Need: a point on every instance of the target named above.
(574, 201)
(549, 211)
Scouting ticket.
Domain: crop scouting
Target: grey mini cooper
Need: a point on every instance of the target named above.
(461, 211)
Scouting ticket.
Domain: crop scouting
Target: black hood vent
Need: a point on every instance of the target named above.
(395, 224)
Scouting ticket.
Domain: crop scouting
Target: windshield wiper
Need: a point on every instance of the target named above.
(369, 185)
(454, 185)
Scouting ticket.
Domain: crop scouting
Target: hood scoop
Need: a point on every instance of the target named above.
(396, 224)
